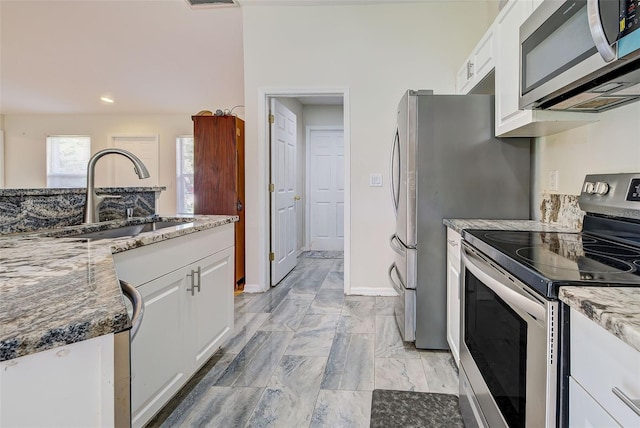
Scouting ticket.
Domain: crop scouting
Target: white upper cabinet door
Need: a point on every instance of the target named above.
(478, 65)
(508, 114)
(510, 120)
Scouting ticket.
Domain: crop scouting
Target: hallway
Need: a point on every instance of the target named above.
(305, 355)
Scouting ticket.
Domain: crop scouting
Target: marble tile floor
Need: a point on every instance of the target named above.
(305, 355)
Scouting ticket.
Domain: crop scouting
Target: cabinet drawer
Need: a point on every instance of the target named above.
(453, 243)
(584, 411)
(601, 362)
(144, 264)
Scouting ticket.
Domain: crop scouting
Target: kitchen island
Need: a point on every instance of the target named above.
(61, 311)
(57, 291)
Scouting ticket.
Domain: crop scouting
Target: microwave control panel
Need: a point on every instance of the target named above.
(628, 17)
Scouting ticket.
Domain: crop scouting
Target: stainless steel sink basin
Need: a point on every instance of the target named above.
(132, 230)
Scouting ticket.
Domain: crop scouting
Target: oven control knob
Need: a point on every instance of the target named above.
(589, 188)
(601, 188)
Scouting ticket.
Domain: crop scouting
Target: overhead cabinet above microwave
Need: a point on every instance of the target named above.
(580, 55)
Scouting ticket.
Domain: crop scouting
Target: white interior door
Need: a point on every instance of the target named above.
(326, 175)
(144, 147)
(283, 195)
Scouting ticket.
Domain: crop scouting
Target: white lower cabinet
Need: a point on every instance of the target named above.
(601, 364)
(187, 286)
(67, 386)
(453, 292)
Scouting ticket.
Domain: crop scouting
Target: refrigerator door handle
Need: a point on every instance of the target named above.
(398, 287)
(396, 245)
(400, 247)
(395, 172)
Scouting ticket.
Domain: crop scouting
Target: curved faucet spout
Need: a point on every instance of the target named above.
(93, 201)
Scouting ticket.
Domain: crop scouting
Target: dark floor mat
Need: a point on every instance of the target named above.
(414, 409)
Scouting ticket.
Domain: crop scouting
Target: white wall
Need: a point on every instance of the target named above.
(25, 146)
(607, 146)
(376, 52)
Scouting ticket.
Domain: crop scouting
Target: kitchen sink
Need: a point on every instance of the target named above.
(131, 230)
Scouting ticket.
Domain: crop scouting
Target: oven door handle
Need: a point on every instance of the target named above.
(513, 298)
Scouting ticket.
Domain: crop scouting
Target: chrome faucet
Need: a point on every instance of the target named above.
(93, 200)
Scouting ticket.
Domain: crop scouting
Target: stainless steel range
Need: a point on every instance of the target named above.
(512, 358)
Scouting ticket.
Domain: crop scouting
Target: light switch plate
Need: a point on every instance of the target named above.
(375, 180)
(553, 180)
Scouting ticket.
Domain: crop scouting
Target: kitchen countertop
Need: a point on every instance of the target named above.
(617, 309)
(459, 224)
(57, 291)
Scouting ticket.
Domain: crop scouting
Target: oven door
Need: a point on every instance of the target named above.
(508, 354)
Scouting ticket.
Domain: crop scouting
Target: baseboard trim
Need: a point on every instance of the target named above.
(372, 291)
(253, 288)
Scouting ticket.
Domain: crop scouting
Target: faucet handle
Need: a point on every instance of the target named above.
(111, 196)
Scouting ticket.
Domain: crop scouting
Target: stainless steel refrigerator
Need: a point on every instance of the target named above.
(446, 163)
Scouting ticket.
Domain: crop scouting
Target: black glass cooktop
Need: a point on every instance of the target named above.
(547, 260)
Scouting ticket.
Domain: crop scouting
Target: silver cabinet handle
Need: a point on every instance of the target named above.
(633, 404)
(607, 52)
(199, 272)
(452, 242)
(193, 274)
(469, 70)
(138, 306)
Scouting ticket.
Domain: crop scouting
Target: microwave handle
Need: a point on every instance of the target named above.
(508, 295)
(607, 52)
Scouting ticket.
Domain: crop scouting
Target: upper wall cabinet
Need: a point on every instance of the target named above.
(478, 65)
(510, 120)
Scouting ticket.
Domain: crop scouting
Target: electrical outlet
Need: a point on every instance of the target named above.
(375, 180)
(553, 180)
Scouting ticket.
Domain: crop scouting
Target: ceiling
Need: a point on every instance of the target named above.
(149, 56)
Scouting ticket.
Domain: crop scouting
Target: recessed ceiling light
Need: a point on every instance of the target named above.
(107, 100)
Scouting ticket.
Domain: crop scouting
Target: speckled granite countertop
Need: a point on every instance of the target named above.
(459, 224)
(617, 309)
(79, 190)
(57, 291)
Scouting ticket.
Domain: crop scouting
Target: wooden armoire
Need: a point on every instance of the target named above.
(219, 174)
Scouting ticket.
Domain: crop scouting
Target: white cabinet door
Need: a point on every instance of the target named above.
(508, 114)
(453, 293)
(157, 352)
(211, 307)
(478, 65)
(600, 363)
(584, 411)
(484, 56)
(464, 77)
(67, 386)
(510, 120)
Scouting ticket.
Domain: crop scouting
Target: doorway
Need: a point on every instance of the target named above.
(322, 101)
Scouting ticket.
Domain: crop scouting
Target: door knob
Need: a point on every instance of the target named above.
(296, 198)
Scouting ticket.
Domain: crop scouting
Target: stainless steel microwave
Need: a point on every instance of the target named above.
(580, 55)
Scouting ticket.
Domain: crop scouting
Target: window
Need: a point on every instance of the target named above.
(67, 158)
(184, 172)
